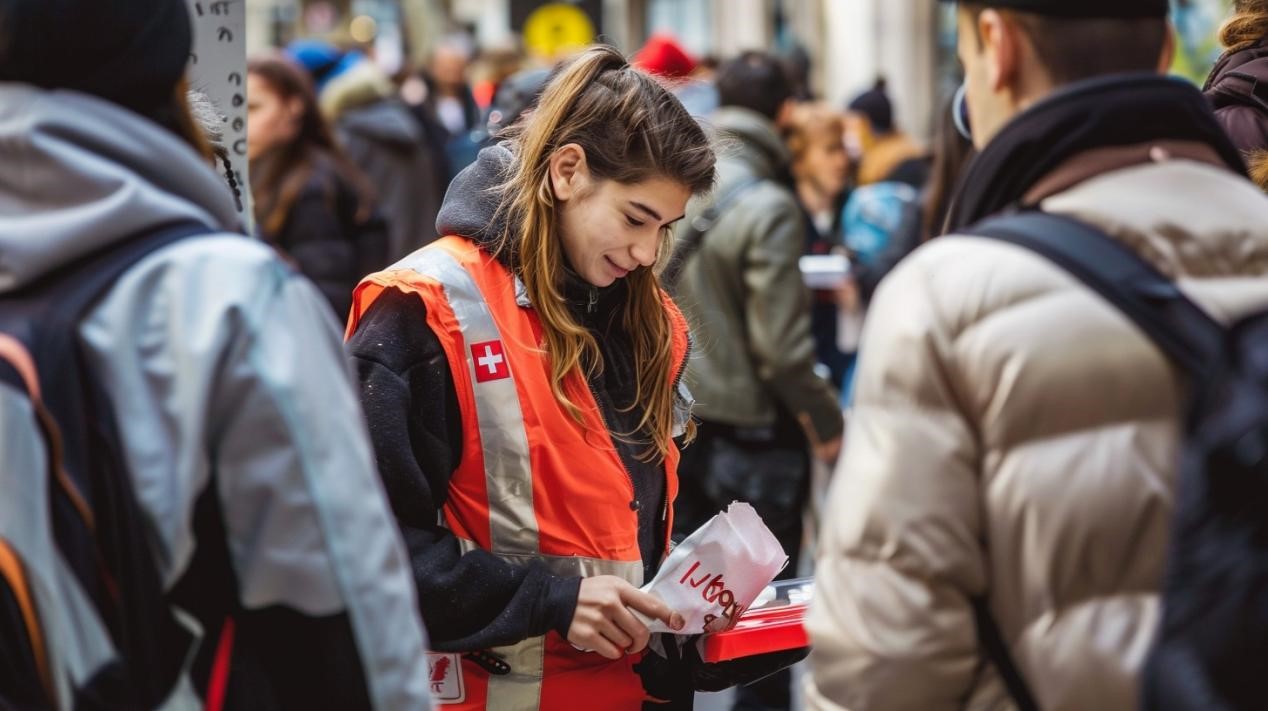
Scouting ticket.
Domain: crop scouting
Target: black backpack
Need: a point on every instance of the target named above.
(1211, 651)
(98, 528)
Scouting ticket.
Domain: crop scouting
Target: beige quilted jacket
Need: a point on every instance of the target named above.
(1014, 436)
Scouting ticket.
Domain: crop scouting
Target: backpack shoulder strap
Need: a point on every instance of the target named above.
(1179, 327)
(15, 592)
(692, 238)
(44, 317)
(992, 640)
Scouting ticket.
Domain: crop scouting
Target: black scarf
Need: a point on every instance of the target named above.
(1119, 110)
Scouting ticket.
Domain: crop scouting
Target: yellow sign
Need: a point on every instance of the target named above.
(557, 28)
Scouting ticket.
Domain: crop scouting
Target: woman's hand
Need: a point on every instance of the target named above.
(603, 622)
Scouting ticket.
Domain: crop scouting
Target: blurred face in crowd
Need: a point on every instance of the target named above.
(449, 68)
(610, 229)
(858, 134)
(822, 161)
(272, 120)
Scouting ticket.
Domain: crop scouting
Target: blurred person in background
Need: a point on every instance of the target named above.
(815, 134)
(236, 548)
(884, 222)
(381, 137)
(1238, 84)
(491, 69)
(797, 66)
(883, 151)
(311, 203)
(492, 66)
(449, 91)
(515, 96)
(664, 57)
(761, 404)
(878, 242)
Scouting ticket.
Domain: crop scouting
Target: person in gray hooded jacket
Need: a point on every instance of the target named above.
(222, 367)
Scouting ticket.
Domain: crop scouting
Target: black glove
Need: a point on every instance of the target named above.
(676, 676)
(717, 676)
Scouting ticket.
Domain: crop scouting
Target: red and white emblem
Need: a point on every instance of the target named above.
(444, 675)
(490, 361)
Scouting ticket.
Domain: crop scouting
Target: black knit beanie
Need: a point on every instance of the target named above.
(130, 52)
(1083, 9)
(875, 105)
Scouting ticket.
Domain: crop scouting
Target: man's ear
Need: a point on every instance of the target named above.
(783, 117)
(569, 173)
(1001, 44)
(1168, 49)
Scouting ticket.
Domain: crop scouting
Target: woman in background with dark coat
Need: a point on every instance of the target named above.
(1238, 85)
(311, 203)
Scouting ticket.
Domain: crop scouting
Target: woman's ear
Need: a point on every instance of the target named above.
(569, 174)
(295, 110)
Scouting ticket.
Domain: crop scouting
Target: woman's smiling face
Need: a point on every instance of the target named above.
(609, 229)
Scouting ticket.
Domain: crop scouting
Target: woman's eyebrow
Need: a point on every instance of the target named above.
(650, 212)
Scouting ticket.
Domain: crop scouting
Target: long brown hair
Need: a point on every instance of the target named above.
(631, 130)
(951, 155)
(1248, 26)
(276, 183)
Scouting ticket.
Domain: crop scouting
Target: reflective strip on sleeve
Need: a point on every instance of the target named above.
(570, 566)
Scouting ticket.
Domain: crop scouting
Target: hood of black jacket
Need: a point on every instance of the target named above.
(388, 122)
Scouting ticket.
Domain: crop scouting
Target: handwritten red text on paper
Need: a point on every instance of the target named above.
(714, 591)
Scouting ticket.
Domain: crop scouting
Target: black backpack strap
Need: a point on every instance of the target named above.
(1179, 327)
(992, 641)
(690, 241)
(45, 316)
(110, 555)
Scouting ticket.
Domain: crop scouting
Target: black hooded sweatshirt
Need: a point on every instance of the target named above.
(475, 601)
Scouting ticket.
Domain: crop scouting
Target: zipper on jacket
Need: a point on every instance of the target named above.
(593, 300)
(682, 372)
(634, 505)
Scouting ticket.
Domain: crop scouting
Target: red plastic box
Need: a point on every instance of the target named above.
(775, 626)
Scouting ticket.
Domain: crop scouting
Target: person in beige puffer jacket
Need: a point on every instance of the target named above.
(1014, 438)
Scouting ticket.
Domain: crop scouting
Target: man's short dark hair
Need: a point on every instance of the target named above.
(1072, 49)
(754, 81)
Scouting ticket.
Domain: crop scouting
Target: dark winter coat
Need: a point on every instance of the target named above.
(331, 236)
(387, 143)
(1238, 91)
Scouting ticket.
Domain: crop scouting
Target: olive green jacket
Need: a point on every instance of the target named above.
(743, 294)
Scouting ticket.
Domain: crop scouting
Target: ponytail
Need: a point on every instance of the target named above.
(1247, 27)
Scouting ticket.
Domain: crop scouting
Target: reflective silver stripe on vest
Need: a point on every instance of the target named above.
(572, 565)
(508, 477)
(512, 523)
(521, 689)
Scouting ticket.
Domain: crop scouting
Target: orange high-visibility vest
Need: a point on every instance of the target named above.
(533, 484)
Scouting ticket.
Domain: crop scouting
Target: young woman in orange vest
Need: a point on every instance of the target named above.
(521, 378)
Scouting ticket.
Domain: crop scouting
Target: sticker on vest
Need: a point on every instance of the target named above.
(490, 361)
(444, 672)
